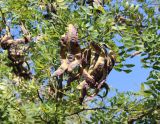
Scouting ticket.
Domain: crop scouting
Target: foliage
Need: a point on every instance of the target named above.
(39, 99)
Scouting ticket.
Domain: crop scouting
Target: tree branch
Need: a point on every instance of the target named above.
(86, 109)
(132, 119)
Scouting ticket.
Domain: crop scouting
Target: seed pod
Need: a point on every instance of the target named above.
(70, 51)
(6, 42)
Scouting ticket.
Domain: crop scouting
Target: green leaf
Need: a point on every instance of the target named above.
(142, 87)
(129, 65)
(117, 28)
(156, 67)
(127, 71)
(132, 7)
(149, 92)
(149, 82)
(118, 69)
(100, 8)
(136, 8)
(126, 5)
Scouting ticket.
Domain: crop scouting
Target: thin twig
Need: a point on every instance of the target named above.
(79, 119)
(135, 53)
(17, 110)
(83, 2)
(43, 119)
(24, 30)
(3, 18)
(39, 96)
(5, 23)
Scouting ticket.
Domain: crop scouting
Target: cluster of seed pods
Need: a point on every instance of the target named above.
(17, 49)
(94, 63)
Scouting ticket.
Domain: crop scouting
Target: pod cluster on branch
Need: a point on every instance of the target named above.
(17, 49)
(16, 54)
(94, 63)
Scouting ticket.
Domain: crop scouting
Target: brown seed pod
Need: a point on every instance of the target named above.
(16, 53)
(70, 51)
(98, 71)
(94, 63)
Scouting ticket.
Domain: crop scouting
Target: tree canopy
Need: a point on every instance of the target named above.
(34, 45)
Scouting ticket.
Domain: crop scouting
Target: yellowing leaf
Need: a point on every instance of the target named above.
(118, 28)
(100, 8)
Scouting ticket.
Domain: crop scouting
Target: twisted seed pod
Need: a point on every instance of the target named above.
(70, 51)
(98, 71)
(95, 63)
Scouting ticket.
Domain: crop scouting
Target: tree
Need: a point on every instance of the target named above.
(28, 91)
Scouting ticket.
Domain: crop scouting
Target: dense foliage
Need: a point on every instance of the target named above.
(40, 99)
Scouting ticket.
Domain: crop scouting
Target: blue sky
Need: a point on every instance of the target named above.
(129, 82)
